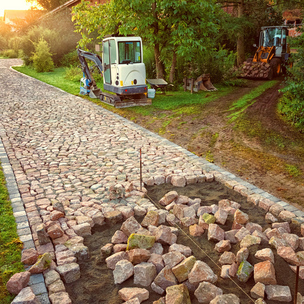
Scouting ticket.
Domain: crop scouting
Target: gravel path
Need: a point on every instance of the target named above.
(57, 147)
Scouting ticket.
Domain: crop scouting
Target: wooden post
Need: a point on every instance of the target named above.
(191, 85)
(185, 84)
(297, 283)
(140, 170)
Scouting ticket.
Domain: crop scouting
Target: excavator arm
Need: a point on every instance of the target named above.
(89, 85)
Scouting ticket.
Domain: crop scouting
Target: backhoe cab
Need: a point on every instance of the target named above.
(124, 73)
(272, 55)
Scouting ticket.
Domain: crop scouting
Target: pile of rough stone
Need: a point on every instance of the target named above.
(59, 228)
(137, 250)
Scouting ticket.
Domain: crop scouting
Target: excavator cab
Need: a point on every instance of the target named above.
(275, 36)
(124, 70)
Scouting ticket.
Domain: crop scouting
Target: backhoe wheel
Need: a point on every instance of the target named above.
(276, 66)
(270, 74)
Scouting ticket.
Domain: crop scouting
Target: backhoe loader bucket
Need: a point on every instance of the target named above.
(204, 83)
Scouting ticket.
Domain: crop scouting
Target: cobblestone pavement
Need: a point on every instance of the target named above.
(59, 148)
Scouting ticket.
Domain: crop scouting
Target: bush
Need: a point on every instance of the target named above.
(9, 53)
(291, 105)
(14, 44)
(73, 74)
(70, 59)
(3, 43)
(42, 58)
(32, 37)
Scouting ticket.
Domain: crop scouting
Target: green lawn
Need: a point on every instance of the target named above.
(172, 101)
(10, 245)
(55, 78)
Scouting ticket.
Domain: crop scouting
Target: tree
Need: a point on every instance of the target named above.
(5, 34)
(174, 28)
(42, 57)
(245, 20)
(48, 5)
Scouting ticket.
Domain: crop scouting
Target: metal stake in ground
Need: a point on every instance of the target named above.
(140, 170)
(297, 283)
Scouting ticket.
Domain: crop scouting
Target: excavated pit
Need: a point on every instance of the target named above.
(96, 284)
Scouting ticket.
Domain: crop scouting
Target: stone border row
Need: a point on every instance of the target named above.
(36, 282)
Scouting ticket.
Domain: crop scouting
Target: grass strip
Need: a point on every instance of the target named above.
(178, 101)
(10, 245)
(247, 100)
(55, 78)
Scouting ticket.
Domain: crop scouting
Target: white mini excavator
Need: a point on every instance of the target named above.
(124, 73)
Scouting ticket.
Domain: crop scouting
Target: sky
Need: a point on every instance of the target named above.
(13, 5)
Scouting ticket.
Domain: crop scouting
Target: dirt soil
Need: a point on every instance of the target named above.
(96, 284)
(259, 146)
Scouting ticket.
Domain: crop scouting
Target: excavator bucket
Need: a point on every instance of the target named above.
(94, 92)
(204, 83)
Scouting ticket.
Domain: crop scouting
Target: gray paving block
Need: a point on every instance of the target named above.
(36, 278)
(39, 288)
(24, 224)
(291, 208)
(19, 219)
(28, 244)
(18, 208)
(283, 204)
(43, 298)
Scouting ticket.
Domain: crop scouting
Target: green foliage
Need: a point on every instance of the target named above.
(33, 36)
(3, 43)
(73, 74)
(58, 30)
(42, 57)
(10, 245)
(70, 59)
(9, 53)
(219, 65)
(172, 27)
(5, 34)
(291, 105)
(149, 61)
(293, 170)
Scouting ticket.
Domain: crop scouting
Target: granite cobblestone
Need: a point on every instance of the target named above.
(57, 149)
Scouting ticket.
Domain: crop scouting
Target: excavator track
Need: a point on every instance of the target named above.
(119, 101)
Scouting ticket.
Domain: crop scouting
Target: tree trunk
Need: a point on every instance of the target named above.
(160, 70)
(240, 39)
(173, 66)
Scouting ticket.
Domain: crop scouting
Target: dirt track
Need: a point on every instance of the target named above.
(260, 147)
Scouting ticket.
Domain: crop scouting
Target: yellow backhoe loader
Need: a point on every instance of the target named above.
(272, 55)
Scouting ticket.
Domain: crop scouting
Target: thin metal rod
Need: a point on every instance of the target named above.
(297, 283)
(140, 168)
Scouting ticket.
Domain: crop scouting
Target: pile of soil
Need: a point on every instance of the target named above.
(96, 284)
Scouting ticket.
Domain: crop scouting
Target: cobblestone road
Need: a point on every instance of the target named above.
(59, 148)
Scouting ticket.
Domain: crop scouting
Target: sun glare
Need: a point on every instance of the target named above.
(13, 5)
